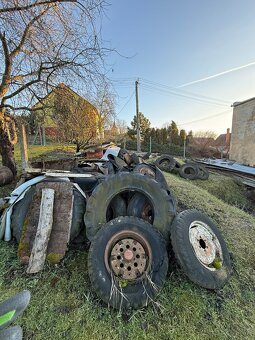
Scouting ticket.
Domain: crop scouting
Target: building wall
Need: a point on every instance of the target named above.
(242, 147)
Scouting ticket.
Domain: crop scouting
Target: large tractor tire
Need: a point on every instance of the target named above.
(98, 204)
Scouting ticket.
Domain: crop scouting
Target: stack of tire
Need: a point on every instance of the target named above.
(132, 225)
(189, 170)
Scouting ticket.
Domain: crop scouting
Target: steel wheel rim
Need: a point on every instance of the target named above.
(128, 256)
(206, 245)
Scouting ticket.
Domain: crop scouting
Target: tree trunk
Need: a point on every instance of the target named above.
(6, 150)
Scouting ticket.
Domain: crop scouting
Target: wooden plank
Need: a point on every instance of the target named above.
(23, 147)
(62, 220)
(58, 173)
(38, 254)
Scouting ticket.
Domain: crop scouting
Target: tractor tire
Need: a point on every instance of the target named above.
(163, 205)
(200, 249)
(21, 209)
(145, 169)
(127, 263)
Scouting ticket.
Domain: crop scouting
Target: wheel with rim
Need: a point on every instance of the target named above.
(162, 203)
(189, 171)
(165, 163)
(127, 263)
(200, 249)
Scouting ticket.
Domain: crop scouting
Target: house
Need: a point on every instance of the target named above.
(242, 146)
(46, 117)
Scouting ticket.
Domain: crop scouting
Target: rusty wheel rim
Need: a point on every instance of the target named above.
(128, 256)
(206, 245)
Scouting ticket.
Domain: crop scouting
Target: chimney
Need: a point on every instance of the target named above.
(228, 135)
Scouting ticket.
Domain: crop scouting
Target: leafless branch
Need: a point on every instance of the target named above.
(35, 4)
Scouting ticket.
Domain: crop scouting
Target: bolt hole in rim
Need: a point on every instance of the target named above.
(128, 256)
(206, 245)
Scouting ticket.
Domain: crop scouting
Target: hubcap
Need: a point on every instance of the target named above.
(206, 245)
(127, 257)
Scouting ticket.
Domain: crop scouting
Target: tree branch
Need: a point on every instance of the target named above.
(8, 64)
(24, 108)
(35, 4)
(25, 33)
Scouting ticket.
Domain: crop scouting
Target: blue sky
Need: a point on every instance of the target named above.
(167, 43)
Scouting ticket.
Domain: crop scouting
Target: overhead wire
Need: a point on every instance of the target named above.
(127, 102)
(207, 117)
(151, 88)
(184, 91)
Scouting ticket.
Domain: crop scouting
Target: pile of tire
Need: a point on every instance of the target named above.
(189, 170)
(132, 224)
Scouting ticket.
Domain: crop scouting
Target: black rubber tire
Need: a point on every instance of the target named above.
(118, 207)
(139, 292)
(176, 169)
(165, 163)
(135, 159)
(19, 213)
(203, 173)
(185, 254)
(189, 171)
(98, 203)
(79, 208)
(21, 208)
(138, 207)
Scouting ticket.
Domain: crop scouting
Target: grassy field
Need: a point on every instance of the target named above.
(63, 305)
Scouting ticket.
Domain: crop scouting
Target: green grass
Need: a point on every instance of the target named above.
(63, 305)
(227, 189)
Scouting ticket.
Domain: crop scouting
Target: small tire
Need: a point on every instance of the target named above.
(97, 205)
(118, 207)
(139, 206)
(165, 163)
(200, 249)
(189, 171)
(127, 282)
(203, 173)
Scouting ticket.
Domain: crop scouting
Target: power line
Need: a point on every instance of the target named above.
(185, 92)
(206, 118)
(129, 99)
(151, 88)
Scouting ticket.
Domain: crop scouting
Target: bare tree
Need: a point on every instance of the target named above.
(43, 43)
(105, 103)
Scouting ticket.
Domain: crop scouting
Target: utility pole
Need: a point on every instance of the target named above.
(137, 119)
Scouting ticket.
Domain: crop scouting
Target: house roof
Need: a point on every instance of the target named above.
(243, 102)
(62, 87)
(221, 140)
